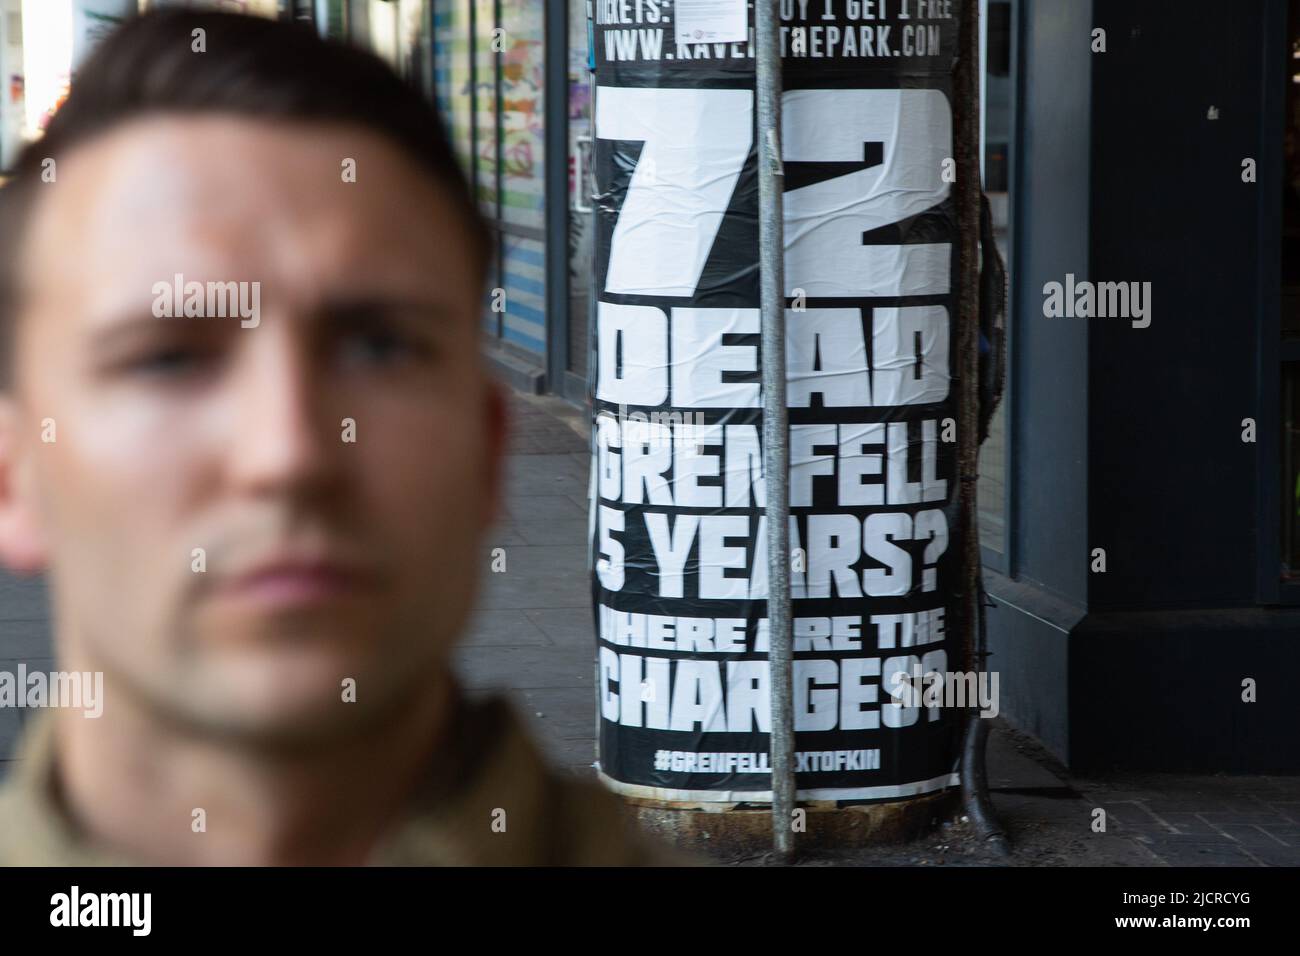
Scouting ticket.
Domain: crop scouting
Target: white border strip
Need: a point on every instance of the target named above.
(765, 796)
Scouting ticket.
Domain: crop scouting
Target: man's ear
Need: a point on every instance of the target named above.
(497, 424)
(22, 542)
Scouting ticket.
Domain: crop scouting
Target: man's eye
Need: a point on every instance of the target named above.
(167, 362)
(381, 346)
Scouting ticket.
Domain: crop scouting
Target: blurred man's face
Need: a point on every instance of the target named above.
(334, 458)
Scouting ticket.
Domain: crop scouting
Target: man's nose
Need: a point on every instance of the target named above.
(283, 438)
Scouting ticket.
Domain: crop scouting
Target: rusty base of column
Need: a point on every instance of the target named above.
(721, 831)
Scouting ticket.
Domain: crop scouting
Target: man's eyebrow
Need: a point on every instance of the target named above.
(135, 322)
(140, 325)
(359, 308)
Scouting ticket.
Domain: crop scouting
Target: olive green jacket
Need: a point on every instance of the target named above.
(493, 801)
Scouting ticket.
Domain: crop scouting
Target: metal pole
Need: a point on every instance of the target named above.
(776, 451)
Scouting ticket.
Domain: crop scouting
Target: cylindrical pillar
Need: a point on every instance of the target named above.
(678, 517)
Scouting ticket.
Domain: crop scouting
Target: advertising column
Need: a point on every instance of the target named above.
(678, 514)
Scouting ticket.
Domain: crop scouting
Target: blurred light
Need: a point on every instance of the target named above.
(47, 60)
(383, 31)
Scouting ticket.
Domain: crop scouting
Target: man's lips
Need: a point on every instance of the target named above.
(297, 581)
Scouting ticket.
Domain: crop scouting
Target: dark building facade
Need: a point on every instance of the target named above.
(1144, 587)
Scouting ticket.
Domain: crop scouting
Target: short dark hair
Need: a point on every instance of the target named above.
(253, 67)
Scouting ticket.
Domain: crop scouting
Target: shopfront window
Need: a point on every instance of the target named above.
(521, 211)
(452, 77)
(13, 74)
(489, 77)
